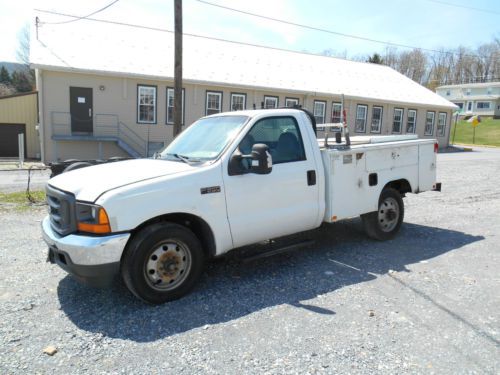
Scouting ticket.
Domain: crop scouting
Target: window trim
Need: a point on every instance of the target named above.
(290, 98)
(381, 119)
(414, 124)
(138, 111)
(483, 102)
(433, 122)
(394, 117)
(341, 109)
(318, 125)
(272, 97)
(221, 96)
(301, 141)
(365, 119)
(438, 133)
(183, 106)
(233, 94)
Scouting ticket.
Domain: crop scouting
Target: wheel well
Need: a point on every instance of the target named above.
(196, 224)
(402, 185)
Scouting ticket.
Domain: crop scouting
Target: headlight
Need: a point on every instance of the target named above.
(92, 218)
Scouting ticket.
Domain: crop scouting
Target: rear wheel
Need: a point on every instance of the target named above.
(162, 262)
(384, 224)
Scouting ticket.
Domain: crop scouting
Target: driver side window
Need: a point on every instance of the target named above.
(281, 135)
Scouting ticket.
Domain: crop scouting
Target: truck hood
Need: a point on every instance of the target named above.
(87, 184)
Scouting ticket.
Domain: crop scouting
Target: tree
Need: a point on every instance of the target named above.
(375, 59)
(23, 54)
(21, 81)
(4, 76)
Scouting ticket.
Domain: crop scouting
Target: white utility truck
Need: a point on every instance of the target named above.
(226, 181)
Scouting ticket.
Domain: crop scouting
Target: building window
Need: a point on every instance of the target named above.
(360, 125)
(460, 106)
(336, 112)
(376, 119)
(397, 121)
(238, 102)
(291, 102)
(319, 112)
(213, 103)
(271, 101)
(467, 92)
(448, 92)
(146, 104)
(483, 105)
(170, 106)
(489, 90)
(441, 124)
(429, 123)
(411, 122)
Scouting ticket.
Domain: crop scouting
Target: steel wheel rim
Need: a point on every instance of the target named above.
(388, 214)
(168, 265)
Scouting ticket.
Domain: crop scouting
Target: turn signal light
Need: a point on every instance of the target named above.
(98, 226)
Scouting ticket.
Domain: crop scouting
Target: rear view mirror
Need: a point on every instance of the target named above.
(262, 162)
(259, 161)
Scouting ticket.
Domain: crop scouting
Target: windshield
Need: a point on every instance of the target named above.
(205, 139)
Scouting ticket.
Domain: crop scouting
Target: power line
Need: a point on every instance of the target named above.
(83, 17)
(463, 6)
(87, 18)
(330, 31)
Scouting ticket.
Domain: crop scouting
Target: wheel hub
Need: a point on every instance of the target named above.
(388, 214)
(168, 265)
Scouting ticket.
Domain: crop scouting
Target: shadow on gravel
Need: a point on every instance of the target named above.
(230, 289)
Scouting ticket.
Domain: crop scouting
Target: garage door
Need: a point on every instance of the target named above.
(8, 139)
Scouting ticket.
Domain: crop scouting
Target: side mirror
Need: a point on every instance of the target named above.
(262, 162)
(259, 161)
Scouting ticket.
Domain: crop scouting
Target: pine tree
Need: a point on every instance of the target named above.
(21, 82)
(4, 76)
(375, 59)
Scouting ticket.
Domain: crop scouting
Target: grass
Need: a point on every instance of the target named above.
(19, 201)
(487, 132)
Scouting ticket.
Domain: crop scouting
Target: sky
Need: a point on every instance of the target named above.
(431, 24)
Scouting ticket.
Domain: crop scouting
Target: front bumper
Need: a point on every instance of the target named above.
(94, 260)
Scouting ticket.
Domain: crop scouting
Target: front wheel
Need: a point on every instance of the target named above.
(162, 262)
(384, 224)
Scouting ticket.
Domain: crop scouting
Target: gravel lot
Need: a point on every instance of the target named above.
(426, 302)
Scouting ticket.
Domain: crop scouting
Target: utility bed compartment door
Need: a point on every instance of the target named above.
(389, 158)
(426, 167)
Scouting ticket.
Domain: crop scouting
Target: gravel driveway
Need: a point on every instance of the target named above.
(426, 302)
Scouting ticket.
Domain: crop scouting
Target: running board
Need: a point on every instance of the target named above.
(280, 250)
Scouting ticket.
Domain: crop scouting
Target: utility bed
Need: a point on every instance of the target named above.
(354, 175)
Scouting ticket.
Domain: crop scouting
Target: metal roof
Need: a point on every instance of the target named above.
(89, 46)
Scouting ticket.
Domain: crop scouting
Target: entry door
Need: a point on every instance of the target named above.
(285, 201)
(469, 106)
(80, 107)
(9, 143)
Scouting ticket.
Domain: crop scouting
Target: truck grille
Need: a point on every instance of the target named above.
(61, 210)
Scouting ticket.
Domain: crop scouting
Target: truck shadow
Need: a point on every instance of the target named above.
(230, 289)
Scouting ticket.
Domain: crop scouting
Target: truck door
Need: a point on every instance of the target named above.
(282, 202)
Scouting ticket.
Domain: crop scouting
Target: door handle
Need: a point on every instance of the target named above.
(311, 177)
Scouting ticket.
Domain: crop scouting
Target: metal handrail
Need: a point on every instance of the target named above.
(107, 125)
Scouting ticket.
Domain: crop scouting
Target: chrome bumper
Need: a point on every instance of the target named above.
(86, 250)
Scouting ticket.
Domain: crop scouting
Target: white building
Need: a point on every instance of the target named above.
(474, 98)
(106, 89)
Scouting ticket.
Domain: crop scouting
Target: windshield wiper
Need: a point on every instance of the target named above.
(184, 158)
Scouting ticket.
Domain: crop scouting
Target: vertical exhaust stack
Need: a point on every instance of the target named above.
(346, 128)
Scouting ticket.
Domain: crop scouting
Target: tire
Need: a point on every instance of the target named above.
(78, 165)
(149, 253)
(384, 224)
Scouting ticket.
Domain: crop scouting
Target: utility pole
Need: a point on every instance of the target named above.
(178, 67)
